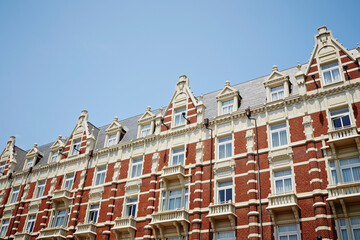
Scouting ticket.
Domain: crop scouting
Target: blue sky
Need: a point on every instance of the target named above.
(114, 58)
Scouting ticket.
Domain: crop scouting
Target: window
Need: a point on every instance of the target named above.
(179, 119)
(227, 107)
(340, 118)
(40, 189)
(4, 227)
(354, 229)
(348, 170)
(225, 189)
(30, 223)
(100, 175)
(175, 199)
(54, 157)
(15, 195)
(130, 208)
(29, 163)
(60, 218)
(178, 156)
(136, 168)
(94, 212)
(278, 135)
(76, 147)
(282, 181)
(69, 180)
(229, 235)
(112, 140)
(225, 147)
(331, 73)
(288, 232)
(2, 167)
(277, 93)
(145, 130)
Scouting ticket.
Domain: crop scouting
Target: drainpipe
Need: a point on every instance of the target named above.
(207, 123)
(248, 114)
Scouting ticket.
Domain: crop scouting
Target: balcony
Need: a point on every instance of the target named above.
(124, 228)
(166, 220)
(22, 236)
(173, 173)
(344, 191)
(283, 201)
(62, 196)
(55, 233)
(343, 136)
(85, 231)
(223, 213)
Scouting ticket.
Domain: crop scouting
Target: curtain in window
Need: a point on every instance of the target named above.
(336, 75)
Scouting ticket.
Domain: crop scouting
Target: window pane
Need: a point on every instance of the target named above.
(327, 76)
(222, 151)
(275, 139)
(346, 120)
(228, 195)
(336, 75)
(347, 177)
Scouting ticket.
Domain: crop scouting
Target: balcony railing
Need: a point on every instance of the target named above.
(346, 190)
(85, 229)
(61, 194)
(170, 216)
(53, 233)
(221, 209)
(22, 236)
(282, 201)
(173, 170)
(342, 133)
(124, 223)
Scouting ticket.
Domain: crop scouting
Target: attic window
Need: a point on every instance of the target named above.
(227, 106)
(331, 73)
(178, 118)
(76, 147)
(29, 163)
(277, 93)
(112, 140)
(145, 130)
(54, 156)
(2, 167)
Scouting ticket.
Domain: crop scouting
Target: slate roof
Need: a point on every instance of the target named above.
(252, 92)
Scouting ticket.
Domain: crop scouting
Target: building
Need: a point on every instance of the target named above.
(191, 171)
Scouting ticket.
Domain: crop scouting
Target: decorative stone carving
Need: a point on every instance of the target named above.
(155, 162)
(250, 141)
(199, 152)
(308, 128)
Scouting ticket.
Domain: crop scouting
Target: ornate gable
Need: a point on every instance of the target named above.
(276, 78)
(57, 144)
(147, 116)
(33, 152)
(114, 126)
(183, 98)
(8, 150)
(228, 93)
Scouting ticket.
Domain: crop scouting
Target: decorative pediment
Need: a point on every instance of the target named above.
(8, 149)
(228, 92)
(326, 49)
(57, 144)
(114, 126)
(33, 152)
(276, 78)
(147, 116)
(182, 93)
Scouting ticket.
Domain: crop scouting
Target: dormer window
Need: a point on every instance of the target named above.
(227, 106)
(179, 120)
(331, 73)
(29, 163)
(76, 147)
(277, 93)
(145, 130)
(112, 140)
(2, 167)
(54, 156)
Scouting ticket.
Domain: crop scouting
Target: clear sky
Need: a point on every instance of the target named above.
(114, 58)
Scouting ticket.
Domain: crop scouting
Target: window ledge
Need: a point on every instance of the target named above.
(332, 84)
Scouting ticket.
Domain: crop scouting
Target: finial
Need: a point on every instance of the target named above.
(183, 76)
(116, 118)
(35, 145)
(12, 138)
(201, 97)
(275, 68)
(59, 137)
(148, 108)
(84, 112)
(227, 83)
(161, 109)
(358, 48)
(298, 66)
(322, 29)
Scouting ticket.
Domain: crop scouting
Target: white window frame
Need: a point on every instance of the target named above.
(30, 225)
(283, 127)
(2, 167)
(330, 68)
(111, 141)
(40, 188)
(54, 156)
(335, 116)
(227, 106)
(288, 233)
(347, 225)
(219, 237)
(179, 120)
(145, 130)
(29, 163)
(136, 167)
(100, 175)
(69, 178)
(4, 227)
(16, 191)
(176, 155)
(130, 202)
(93, 213)
(225, 189)
(56, 216)
(76, 145)
(277, 92)
(337, 169)
(225, 142)
(282, 179)
(184, 199)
